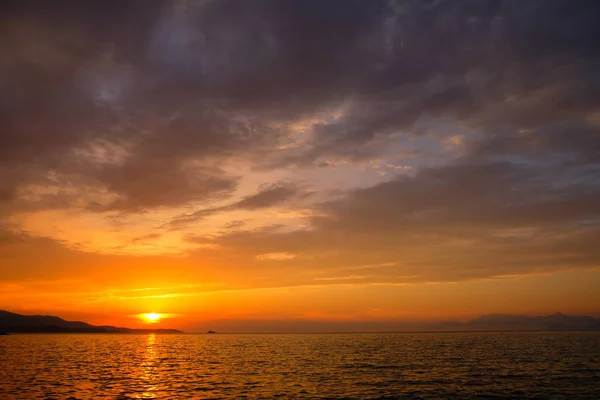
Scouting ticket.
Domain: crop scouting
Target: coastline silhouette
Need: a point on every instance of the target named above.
(17, 323)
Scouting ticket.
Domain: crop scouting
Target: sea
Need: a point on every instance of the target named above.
(508, 365)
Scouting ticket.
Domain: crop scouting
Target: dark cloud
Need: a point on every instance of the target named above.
(476, 218)
(399, 60)
(155, 184)
(267, 196)
(130, 106)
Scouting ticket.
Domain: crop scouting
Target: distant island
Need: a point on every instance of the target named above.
(489, 322)
(505, 322)
(17, 323)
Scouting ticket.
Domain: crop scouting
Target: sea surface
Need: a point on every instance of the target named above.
(540, 365)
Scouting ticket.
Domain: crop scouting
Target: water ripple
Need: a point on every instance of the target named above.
(560, 365)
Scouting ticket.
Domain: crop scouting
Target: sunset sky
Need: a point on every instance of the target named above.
(291, 160)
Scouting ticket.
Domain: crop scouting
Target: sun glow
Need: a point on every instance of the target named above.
(151, 317)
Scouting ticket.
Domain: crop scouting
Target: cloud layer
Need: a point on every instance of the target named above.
(292, 142)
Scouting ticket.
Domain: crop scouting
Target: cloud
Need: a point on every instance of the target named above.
(267, 196)
(489, 107)
(276, 256)
(155, 184)
(442, 223)
(341, 278)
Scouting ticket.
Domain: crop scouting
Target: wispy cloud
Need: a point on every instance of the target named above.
(276, 256)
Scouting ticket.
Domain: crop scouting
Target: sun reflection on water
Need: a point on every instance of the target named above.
(148, 375)
(407, 365)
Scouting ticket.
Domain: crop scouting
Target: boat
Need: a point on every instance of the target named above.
(211, 332)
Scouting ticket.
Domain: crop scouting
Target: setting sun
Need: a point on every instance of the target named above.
(151, 317)
(210, 198)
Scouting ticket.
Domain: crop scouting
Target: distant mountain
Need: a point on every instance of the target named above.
(17, 323)
(503, 322)
(493, 322)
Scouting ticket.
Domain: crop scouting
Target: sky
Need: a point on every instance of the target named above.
(290, 161)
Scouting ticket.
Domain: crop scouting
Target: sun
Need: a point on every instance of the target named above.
(151, 317)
